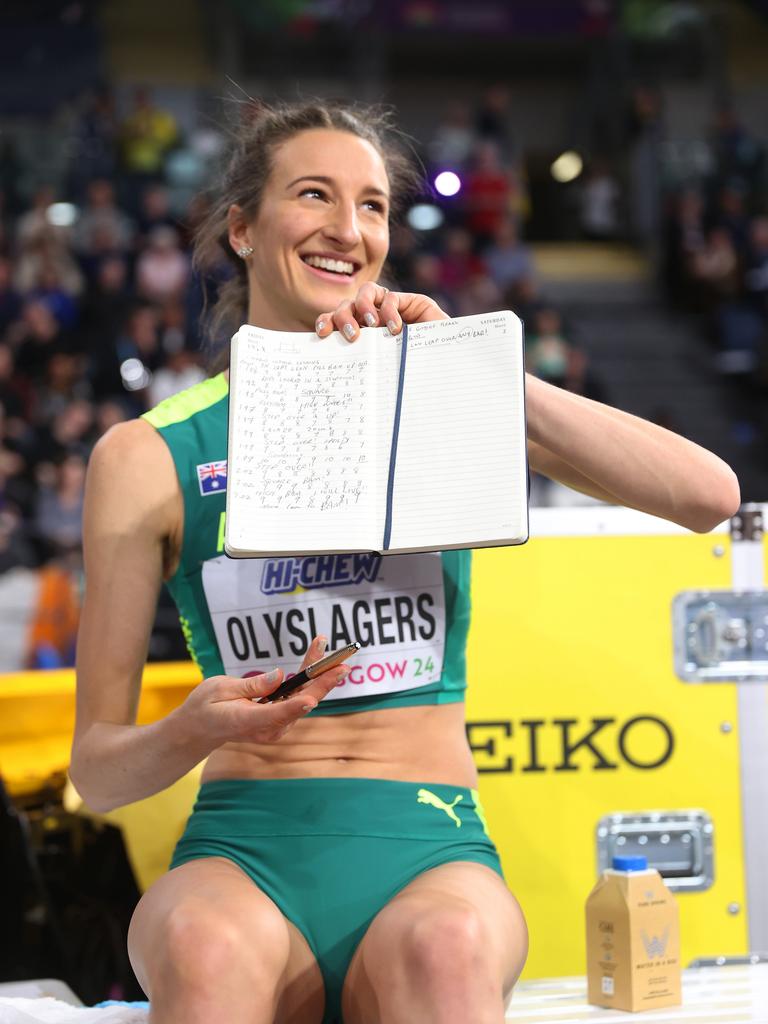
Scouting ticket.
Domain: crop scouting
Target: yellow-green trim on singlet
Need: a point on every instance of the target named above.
(187, 403)
(480, 811)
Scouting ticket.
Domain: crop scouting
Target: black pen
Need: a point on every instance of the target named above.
(315, 669)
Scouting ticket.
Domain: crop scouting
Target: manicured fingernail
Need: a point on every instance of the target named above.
(392, 327)
(370, 320)
(344, 671)
(322, 643)
(273, 676)
(308, 707)
(349, 331)
(320, 326)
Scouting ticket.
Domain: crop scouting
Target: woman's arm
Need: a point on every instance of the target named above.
(132, 511)
(132, 527)
(625, 460)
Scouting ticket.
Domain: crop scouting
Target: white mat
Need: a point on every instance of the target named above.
(53, 1011)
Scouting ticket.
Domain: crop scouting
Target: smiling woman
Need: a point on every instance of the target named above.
(337, 862)
(333, 218)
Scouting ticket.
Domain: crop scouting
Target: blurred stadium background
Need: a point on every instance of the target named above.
(596, 165)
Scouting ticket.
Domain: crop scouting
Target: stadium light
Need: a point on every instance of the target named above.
(447, 183)
(425, 217)
(567, 167)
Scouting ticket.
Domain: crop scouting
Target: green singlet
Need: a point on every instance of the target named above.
(243, 616)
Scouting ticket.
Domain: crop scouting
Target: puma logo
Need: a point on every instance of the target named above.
(425, 796)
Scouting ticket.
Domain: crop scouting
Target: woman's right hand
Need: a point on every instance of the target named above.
(227, 708)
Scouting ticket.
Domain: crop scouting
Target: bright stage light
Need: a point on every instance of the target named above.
(447, 183)
(425, 217)
(61, 215)
(567, 167)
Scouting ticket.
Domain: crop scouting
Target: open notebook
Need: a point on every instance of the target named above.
(414, 442)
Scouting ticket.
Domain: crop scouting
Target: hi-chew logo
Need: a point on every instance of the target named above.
(283, 575)
(212, 477)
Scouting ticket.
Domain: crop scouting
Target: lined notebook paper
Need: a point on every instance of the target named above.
(407, 443)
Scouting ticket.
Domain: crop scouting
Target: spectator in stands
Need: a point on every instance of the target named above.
(95, 141)
(14, 397)
(35, 223)
(15, 548)
(478, 294)
(600, 194)
(739, 157)
(44, 259)
(106, 305)
(523, 297)
(181, 370)
(147, 135)
(507, 258)
(425, 277)
(162, 270)
(685, 237)
(454, 139)
(102, 223)
(716, 267)
(51, 291)
(40, 338)
(155, 211)
(71, 430)
(552, 356)
(731, 214)
(10, 300)
(58, 521)
(756, 277)
(125, 367)
(492, 119)
(490, 192)
(458, 260)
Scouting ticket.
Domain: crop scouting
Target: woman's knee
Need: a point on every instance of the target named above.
(445, 938)
(194, 943)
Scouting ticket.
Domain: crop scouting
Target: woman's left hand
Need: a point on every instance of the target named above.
(376, 306)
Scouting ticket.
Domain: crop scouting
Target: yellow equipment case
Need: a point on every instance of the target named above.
(587, 741)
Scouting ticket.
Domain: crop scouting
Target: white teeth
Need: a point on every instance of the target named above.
(335, 266)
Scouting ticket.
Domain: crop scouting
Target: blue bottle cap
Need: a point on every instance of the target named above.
(629, 863)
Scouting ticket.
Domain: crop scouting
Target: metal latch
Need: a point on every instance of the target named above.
(721, 635)
(679, 844)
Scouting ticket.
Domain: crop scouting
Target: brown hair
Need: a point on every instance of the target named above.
(243, 182)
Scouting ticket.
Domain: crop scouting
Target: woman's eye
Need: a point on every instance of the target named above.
(375, 205)
(317, 192)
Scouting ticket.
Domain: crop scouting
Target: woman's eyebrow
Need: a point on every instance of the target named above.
(370, 189)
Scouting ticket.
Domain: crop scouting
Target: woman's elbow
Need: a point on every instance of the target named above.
(721, 501)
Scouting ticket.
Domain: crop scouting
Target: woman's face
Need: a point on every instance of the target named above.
(321, 231)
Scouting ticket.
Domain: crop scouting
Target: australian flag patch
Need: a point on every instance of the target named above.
(212, 477)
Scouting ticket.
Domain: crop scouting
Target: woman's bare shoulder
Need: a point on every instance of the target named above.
(131, 474)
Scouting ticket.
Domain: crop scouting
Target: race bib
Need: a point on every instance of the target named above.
(265, 612)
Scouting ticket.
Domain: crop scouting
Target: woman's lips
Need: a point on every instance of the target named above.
(329, 275)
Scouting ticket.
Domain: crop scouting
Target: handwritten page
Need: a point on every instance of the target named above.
(311, 431)
(461, 459)
(303, 452)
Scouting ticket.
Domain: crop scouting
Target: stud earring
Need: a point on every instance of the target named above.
(245, 252)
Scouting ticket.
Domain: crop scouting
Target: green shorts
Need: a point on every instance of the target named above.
(332, 852)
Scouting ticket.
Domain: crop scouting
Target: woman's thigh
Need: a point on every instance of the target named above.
(436, 925)
(206, 931)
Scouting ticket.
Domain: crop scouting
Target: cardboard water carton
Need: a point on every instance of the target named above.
(633, 939)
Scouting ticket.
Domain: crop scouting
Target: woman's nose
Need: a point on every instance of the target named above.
(343, 225)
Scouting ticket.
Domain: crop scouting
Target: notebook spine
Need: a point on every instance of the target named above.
(395, 434)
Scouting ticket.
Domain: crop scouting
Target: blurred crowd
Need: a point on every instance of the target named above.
(716, 259)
